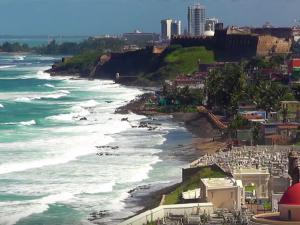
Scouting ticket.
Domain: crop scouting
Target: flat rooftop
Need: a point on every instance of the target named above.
(250, 171)
(221, 182)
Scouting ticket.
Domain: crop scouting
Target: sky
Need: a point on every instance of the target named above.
(96, 17)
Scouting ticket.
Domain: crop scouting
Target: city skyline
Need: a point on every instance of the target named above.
(94, 17)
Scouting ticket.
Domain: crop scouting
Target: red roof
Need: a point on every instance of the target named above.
(295, 63)
(291, 196)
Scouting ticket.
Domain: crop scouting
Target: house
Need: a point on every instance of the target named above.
(193, 81)
(294, 69)
(279, 133)
(223, 192)
(254, 116)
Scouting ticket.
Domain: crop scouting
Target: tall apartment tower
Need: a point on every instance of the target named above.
(176, 27)
(166, 27)
(170, 27)
(196, 20)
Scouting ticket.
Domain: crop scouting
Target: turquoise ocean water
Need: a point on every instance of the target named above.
(49, 171)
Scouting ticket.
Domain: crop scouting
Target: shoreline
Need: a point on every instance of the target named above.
(205, 139)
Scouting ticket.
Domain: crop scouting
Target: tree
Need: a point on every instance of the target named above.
(226, 88)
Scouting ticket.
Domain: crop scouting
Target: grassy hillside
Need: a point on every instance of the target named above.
(186, 59)
(191, 184)
(181, 60)
(82, 63)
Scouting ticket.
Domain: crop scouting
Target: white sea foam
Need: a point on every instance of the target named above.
(49, 85)
(8, 66)
(77, 114)
(69, 150)
(16, 211)
(104, 188)
(48, 95)
(28, 123)
(23, 99)
(43, 75)
(41, 163)
(56, 95)
(19, 57)
(22, 123)
(89, 104)
(1, 106)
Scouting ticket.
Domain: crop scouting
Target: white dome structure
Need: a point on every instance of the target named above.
(209, 32)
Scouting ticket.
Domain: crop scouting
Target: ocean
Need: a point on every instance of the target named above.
(65, 154)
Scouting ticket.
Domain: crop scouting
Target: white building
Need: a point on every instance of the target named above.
(166, 26)
(170, 27)
(196, 20)
(176, 27)
(223, 192)
(210, 23)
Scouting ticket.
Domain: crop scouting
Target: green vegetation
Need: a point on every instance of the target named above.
(91, 44)
(178, 60)
(249, 188)
(193, 183)
(183, 96)
(14, 47)
(263, 63)
(226, 88)
(185, 60)
(267, 206)
(229, 87)
(238, 122)
(180, 99)
(82, 63)
(68, 48)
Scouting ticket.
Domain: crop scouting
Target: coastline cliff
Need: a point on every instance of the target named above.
(144, 67)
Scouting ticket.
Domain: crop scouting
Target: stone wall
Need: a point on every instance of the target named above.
(268, 44)
(242, 42)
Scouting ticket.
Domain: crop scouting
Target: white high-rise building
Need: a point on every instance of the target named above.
(176, 27)
(196, 20)
(166, 27)
(169, 28)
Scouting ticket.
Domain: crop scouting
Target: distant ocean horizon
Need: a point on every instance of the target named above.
(51, 129)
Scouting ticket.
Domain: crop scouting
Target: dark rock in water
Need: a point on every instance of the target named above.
(98, 215)
(124, 119)
(106, 154)
(83, 118)
(108, 146)
(108, 101)
(152, 128)
(142, 187)
(143, 125)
